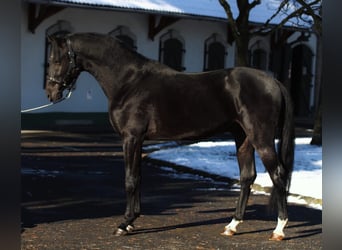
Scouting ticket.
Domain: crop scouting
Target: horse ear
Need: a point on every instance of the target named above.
(49, 38)
(59, 40)
(52, 39)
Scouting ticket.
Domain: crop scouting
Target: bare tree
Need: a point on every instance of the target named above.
(240, 27)
(299, 12)
(309, 12)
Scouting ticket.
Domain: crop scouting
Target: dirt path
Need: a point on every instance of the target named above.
(73, 198)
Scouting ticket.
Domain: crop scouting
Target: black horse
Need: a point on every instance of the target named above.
(148, 100)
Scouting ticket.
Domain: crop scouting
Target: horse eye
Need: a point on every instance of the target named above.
(53, 60)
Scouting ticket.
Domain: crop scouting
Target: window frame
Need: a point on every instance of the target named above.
(214, 38)
(124, 31)
(172, 35)
(259, 46)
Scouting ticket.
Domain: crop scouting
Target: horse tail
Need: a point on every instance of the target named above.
(286, 143)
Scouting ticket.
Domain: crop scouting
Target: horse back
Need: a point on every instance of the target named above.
(173, 105)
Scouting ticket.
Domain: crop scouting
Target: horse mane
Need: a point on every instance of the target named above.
(105, 48)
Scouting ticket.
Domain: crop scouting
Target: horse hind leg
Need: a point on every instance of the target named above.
(278, 176)
(245, 156)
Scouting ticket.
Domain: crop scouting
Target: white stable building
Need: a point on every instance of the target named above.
(188, 35)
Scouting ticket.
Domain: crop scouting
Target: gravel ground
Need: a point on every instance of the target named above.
(73, 198)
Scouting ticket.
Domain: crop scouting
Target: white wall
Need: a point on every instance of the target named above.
(88, 96)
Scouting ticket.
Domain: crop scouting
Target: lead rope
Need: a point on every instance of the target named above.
(47, 105)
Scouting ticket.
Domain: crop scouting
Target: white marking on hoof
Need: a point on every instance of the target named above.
(276, 237)
(278, 233)
(120, 232)
(230, 229)
(228, 232)
(130, 228)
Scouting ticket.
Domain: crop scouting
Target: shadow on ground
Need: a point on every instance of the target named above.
(72, 183)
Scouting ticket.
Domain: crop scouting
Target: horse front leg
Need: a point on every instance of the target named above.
(245, 156)
(132, 155)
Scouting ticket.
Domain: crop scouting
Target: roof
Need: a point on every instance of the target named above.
(209, 9)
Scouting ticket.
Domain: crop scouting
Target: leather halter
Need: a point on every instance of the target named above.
(69, 79)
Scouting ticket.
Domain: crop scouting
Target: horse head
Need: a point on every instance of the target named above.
(62, 70)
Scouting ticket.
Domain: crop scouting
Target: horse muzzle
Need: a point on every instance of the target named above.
(54, 96)
(53, 93)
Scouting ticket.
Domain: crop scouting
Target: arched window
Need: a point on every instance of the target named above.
(60, 28)
(214, 53)
(171, 50)
(302, 80)
(258, 57)
(125, 36)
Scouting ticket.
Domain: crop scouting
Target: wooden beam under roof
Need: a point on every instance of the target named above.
(37, 13)
(155, 25)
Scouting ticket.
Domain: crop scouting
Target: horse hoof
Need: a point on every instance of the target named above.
(276, 237)
(228, 232)
(120, 232)
(130, 228)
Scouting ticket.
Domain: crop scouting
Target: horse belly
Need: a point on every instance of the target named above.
(187, 106)
(187, 123)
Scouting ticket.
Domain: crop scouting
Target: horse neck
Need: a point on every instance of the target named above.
(105, 60)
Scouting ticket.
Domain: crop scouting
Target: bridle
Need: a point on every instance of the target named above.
(69, 80)
(67, 83)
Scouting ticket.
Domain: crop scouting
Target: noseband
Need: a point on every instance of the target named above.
(69, 79)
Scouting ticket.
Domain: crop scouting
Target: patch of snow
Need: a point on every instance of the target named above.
(220, 158)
